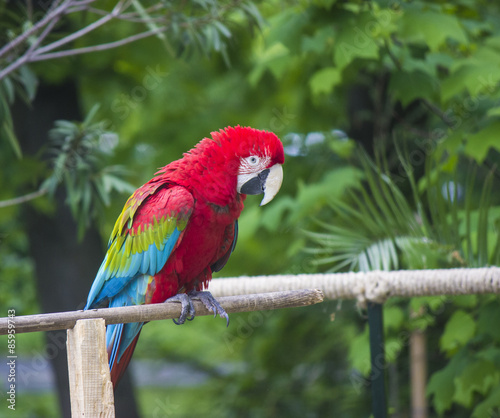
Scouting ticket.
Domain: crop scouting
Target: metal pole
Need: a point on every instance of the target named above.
(376, 327)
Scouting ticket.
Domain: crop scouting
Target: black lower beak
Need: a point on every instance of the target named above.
(256, 184)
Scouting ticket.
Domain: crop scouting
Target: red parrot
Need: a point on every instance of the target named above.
(180, 227)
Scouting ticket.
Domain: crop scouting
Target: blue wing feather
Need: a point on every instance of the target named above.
(119, 336)
(144, 252)
(141, 243)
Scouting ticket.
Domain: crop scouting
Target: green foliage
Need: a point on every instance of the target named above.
(423, 72)
(459, 329)
(439, 385)
(298, 378)
(204, 26)
(23, 84)
(79, 154)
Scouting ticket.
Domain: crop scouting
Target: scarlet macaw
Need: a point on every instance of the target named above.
(181, 226)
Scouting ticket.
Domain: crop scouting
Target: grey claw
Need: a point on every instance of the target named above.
(187, 308)
(210, 303)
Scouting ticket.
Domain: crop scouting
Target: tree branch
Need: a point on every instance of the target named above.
(437, 111)
(22, 199)
(95, 48)
(158, 311)
(36, 27)
(78, 34)
(43, 35)
(40, 53)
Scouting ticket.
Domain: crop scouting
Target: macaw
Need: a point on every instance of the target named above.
(180, 227)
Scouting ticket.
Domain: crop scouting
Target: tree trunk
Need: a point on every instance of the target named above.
(64, 267)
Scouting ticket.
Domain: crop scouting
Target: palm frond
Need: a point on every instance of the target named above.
(376, 227)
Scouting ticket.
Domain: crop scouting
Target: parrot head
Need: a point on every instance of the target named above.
(258, 159)
(235, 160)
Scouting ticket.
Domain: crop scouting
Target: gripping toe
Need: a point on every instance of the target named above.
(187, 308)
(210, 303)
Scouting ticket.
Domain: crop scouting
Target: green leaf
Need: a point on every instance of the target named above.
(8, 86)
(393, 318)
(491, 354)
(477, 79)
(90, 116)
(410, 64)
(431, 28)
(326, 4)
(222, 29)
(359, 353)
(353, 43)
(29, 81)
(488, 315)
(111, 182)
(439, 60)
(459, 329)
(323, 81)
(490, 407)
(343, 148)
(494, 111)
(8, 133)
(407, 87)
(287, 28)
(482, 56)
(479, 376)
(480, 143)
(465, 301)
(248, 223)
(252, 11)
(442, 383)
(273, 58)
(272, 215)
(314, 196)
(317, 43)
(441, 387)
(434, 303)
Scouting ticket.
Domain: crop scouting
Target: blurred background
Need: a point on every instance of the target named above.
(389, 113)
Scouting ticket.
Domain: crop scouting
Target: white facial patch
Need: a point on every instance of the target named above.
(253, 164)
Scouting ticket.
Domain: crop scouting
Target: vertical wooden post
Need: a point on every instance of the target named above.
(89, 379)
(418, 373)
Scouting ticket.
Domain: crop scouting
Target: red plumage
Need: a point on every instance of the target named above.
(209, 172)
(179, 227)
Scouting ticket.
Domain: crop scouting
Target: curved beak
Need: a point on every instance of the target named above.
(267, 181)
(273, 183)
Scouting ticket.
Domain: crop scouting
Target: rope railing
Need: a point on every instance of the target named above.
(376, 286)
(243, 294)
(371, 289)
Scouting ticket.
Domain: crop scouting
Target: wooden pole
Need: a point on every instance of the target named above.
(418, 373)
(168, 310)
(89, 379)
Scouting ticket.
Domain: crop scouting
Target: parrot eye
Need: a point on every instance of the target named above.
(253, 160)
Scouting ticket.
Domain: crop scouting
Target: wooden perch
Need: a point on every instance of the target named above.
(153, 312)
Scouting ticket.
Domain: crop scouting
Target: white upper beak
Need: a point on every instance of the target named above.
(273, 183)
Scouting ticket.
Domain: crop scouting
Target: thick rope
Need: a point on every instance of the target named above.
(374, 286)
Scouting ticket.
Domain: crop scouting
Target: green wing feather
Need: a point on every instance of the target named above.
(150, 226)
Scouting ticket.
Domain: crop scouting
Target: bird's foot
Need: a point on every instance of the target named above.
(187, 308)
(210, 303)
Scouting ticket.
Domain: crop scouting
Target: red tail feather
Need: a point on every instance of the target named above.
(118, 368)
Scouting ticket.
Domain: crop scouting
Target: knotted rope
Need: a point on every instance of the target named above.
(374, 286)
